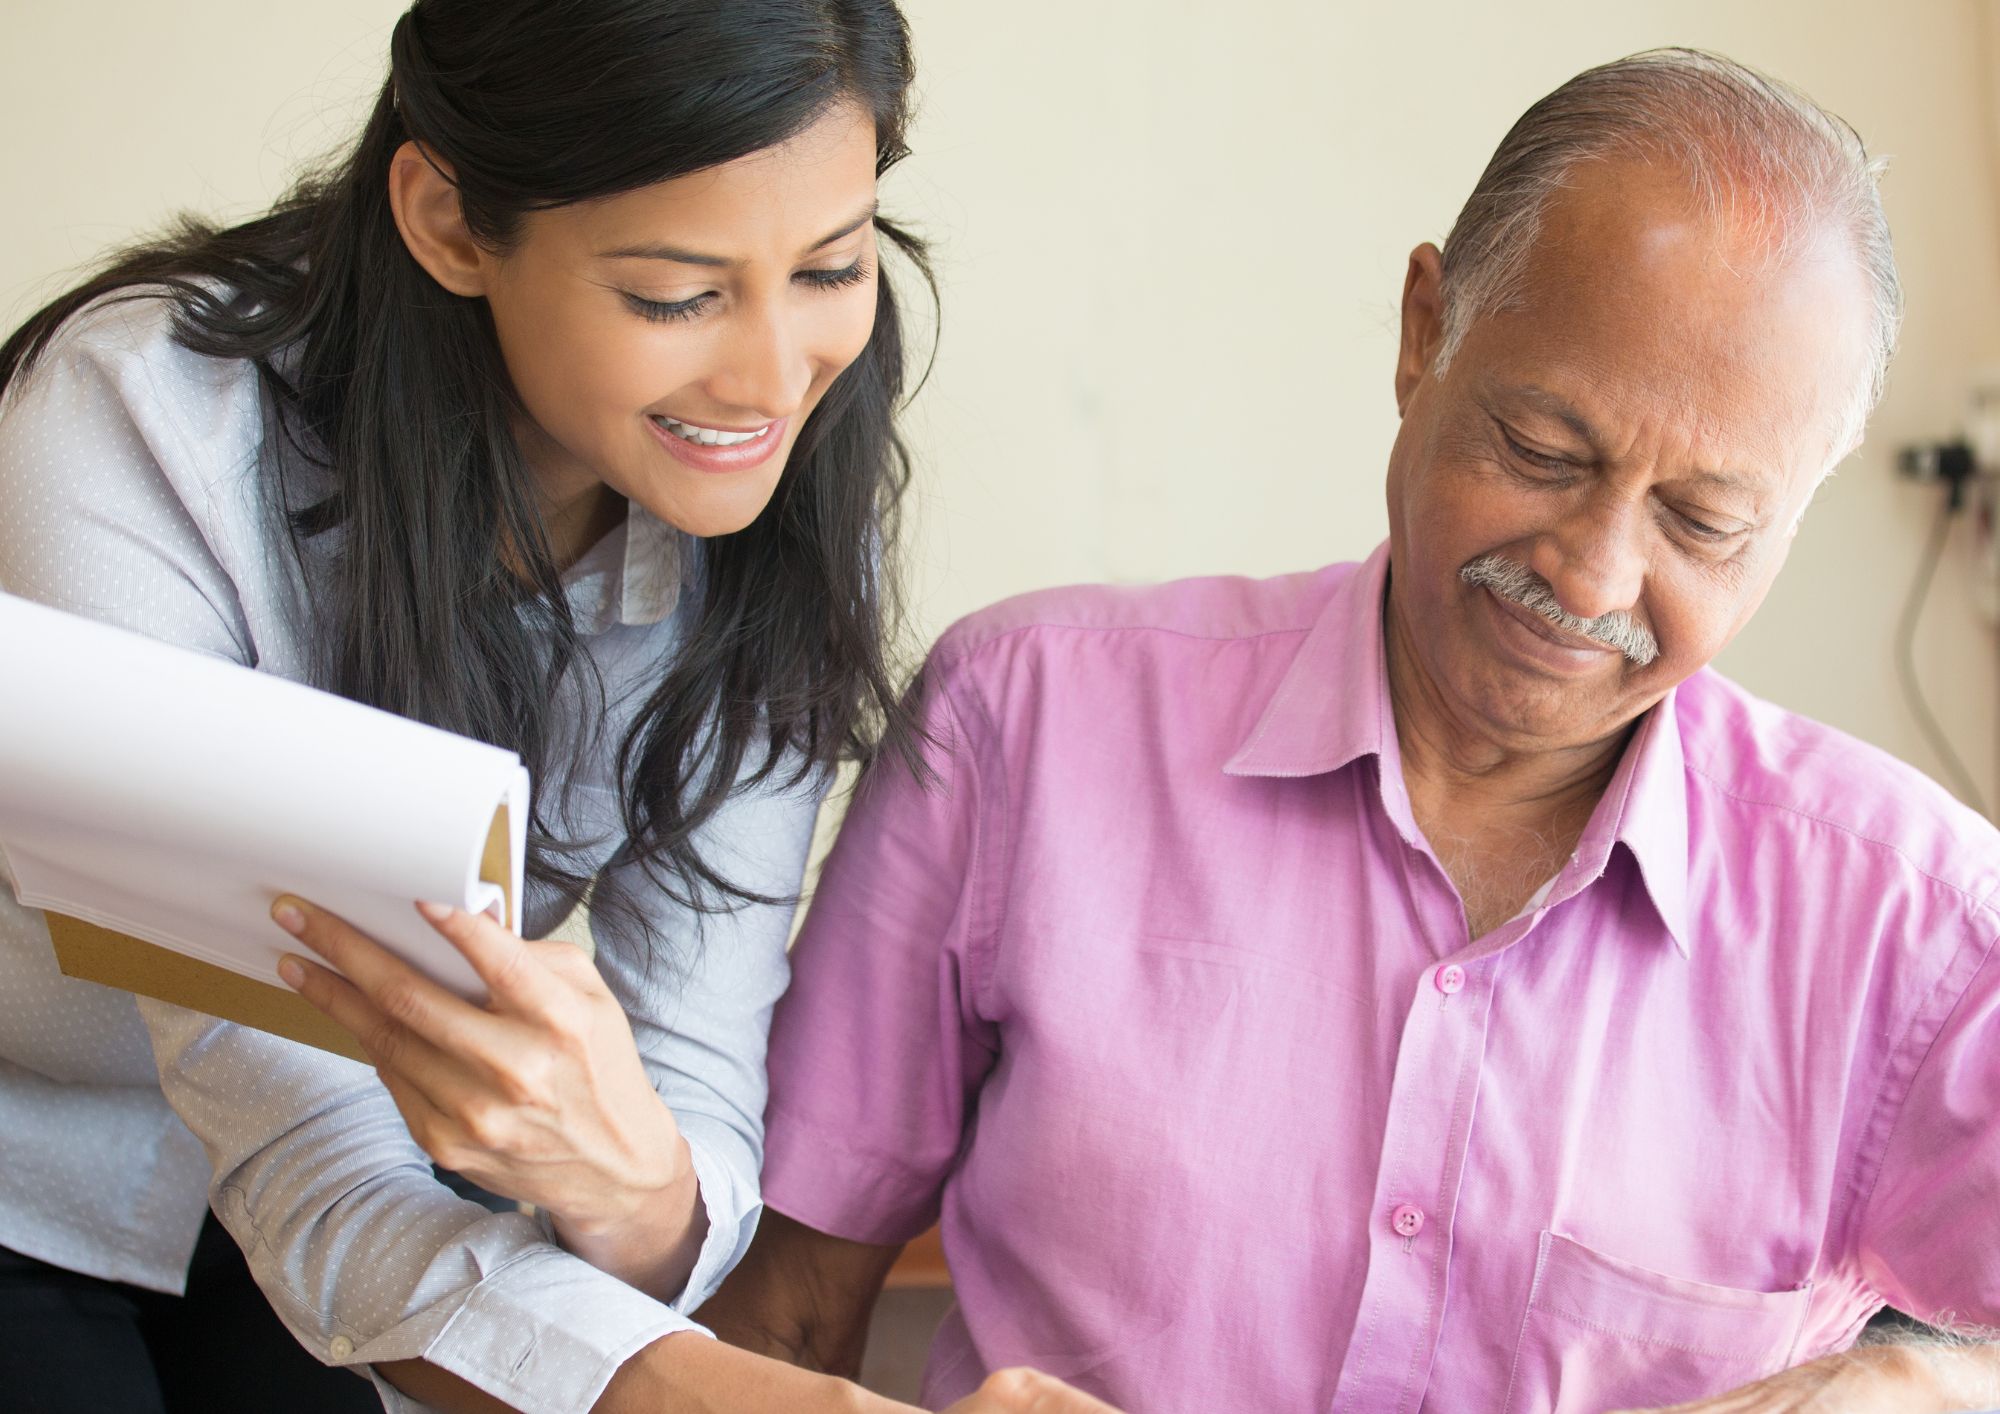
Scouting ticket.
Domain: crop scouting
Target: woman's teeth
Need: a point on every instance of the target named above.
(708, 436)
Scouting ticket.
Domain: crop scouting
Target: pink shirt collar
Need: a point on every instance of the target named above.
(1315, 723)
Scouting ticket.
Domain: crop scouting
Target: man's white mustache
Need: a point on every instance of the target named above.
(1518, 584)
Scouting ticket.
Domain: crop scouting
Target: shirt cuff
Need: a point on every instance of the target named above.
(814, 1175)
(733, 1202)
(544, 1333)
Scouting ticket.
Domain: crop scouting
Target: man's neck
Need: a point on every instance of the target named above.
(1501, 816)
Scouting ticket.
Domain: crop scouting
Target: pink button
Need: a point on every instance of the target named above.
(1407, 1221)
(1449, 978)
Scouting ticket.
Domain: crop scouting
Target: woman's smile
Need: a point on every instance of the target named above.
(716, 449)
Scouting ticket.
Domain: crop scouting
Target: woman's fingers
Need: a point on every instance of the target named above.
(513, 974)
(542, 1095)
(390, 1045)
(455, 1116)
(436, 1133)
(406, 1005)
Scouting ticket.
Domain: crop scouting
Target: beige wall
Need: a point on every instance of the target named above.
(1171, 235)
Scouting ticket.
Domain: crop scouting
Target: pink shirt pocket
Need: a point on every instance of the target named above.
(1604, 1334)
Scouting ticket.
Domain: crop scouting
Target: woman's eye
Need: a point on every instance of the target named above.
(836, 279)
(664, 310)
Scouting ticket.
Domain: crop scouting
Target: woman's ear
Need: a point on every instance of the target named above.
(425, 200)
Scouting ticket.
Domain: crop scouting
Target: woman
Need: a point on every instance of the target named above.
(558, 415)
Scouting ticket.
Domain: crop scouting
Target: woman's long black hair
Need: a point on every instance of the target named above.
(443, 602)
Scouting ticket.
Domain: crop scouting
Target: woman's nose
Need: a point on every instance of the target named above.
(761, 366)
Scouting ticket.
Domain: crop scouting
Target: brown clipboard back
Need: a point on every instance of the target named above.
(96, 954)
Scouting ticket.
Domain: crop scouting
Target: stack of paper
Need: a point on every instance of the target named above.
(156, 801)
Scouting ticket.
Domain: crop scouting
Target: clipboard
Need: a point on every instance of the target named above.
(92, 953)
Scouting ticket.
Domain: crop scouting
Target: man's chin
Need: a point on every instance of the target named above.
(1527, 709)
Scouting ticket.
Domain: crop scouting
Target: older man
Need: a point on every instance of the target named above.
(1422, 984)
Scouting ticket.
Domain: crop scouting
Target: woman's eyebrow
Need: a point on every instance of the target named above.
(689, 257)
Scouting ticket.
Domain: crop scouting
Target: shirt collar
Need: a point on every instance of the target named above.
(631, 577)
(1645, 809)
(1332, 707)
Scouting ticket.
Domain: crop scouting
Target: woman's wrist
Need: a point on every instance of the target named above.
(652, 1236)
(661, 1185)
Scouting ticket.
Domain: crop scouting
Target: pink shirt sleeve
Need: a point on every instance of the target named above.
(1930, 1230)
(880, 1046)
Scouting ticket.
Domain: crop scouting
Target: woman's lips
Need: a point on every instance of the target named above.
(738, 457)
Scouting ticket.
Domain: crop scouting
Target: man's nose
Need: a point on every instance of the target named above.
(1593, 559)
(760, 366)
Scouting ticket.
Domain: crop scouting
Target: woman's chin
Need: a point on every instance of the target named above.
(709, 511)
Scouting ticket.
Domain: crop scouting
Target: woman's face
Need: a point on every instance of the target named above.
(668, 343)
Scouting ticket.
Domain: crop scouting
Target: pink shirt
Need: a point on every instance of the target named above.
(1160, 994)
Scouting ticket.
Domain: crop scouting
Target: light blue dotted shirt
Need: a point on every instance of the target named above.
(130, 491)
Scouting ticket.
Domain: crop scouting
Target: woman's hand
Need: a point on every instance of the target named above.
(1027, 1392)
(538, 1096)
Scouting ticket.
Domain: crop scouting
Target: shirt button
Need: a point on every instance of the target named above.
(1407, 1220)
(340, 1347)
(1449, 978)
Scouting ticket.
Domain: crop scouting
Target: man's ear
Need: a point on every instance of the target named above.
(424, 198)
(1423, 322)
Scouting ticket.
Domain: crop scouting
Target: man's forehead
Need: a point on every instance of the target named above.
(1688, 317)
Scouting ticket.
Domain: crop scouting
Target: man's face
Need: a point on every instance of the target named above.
(1640, 431)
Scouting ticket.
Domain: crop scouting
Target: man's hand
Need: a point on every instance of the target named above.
(1027, 1392)
(1873, 1379)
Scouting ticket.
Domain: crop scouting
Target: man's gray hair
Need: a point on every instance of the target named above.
(1752, 148)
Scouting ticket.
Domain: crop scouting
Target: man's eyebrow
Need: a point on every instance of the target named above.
(1553, 405)
(680, 256)
(1726, 481)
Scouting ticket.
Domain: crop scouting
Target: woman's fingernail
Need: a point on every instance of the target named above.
(287, 916)
(436, 912)
(292, 971)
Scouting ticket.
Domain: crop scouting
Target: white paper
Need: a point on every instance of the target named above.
(173, 796)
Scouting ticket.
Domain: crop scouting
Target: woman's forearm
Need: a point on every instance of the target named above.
(685, 1372)
(692, 1374)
